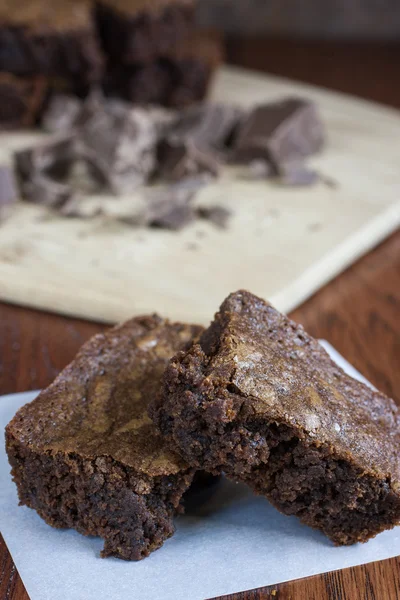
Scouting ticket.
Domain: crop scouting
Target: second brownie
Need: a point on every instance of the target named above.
(179, 80)
(138, 31)
(261, 400)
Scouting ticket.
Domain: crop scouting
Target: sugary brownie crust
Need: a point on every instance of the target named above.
(261, 400)
(85, 455)
(53, 39)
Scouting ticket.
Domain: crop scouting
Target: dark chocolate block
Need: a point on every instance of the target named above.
(186, 160)
(86, 456)
(120, 147)
(21, 100)
(52, 38)
(280, 132)
(261, 400)
(43, 169)
(195, 143)
(134, 32)
(177, 81)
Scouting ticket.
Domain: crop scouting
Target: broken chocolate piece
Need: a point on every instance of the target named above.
(186, 160)
(206, 125)
(297, 175)
(42, 169)
(218, 215)
(280, 133)
(61, 114)
(42, 189)
(194, 143)
(170, 208)
(120, 148)
(53, 158)
(8, 191)
(21, 100)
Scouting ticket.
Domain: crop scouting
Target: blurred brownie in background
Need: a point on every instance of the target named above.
(179, 80)
(140, 31)
(21, 100)
(58, 38)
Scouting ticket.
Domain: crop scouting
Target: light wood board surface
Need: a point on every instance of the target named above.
(281, 243)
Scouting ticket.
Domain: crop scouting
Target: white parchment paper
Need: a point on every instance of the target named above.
(233, 542)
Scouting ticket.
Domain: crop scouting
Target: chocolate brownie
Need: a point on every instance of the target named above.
(140, 31)
(177, 81)
(52, 38)
(85, 455)
(21, 100)
(261, 400)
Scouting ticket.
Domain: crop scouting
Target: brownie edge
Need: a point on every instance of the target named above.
(84, 453)
(260, 400)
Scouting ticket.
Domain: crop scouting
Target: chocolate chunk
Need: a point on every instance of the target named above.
(170, 208)
(42, 189)
(283, 132)
(53, 158)
(173, 217)
(8, 191)
(186, 160)
(297, 175)
(61, 114)
(42, 169)
(194, 143)
(120, 148)
(219, 215)
(206, 125)
(21, 100)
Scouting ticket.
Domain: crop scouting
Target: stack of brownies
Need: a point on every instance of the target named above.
(143, 50)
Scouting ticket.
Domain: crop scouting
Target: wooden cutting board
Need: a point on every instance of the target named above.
(281, 243)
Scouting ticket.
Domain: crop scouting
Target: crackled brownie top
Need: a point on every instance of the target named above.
(132, 7)
(282, 373)
(98, 404)
(39, 15)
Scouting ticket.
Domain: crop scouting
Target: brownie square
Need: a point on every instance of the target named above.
(140, 31)
(259, 399)
(177, 81)
(21, 100)
(85, 454)
(52, 38)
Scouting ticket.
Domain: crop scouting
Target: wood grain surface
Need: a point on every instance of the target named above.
(358, 312)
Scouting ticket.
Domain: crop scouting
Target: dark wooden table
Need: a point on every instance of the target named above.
(358, 312)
